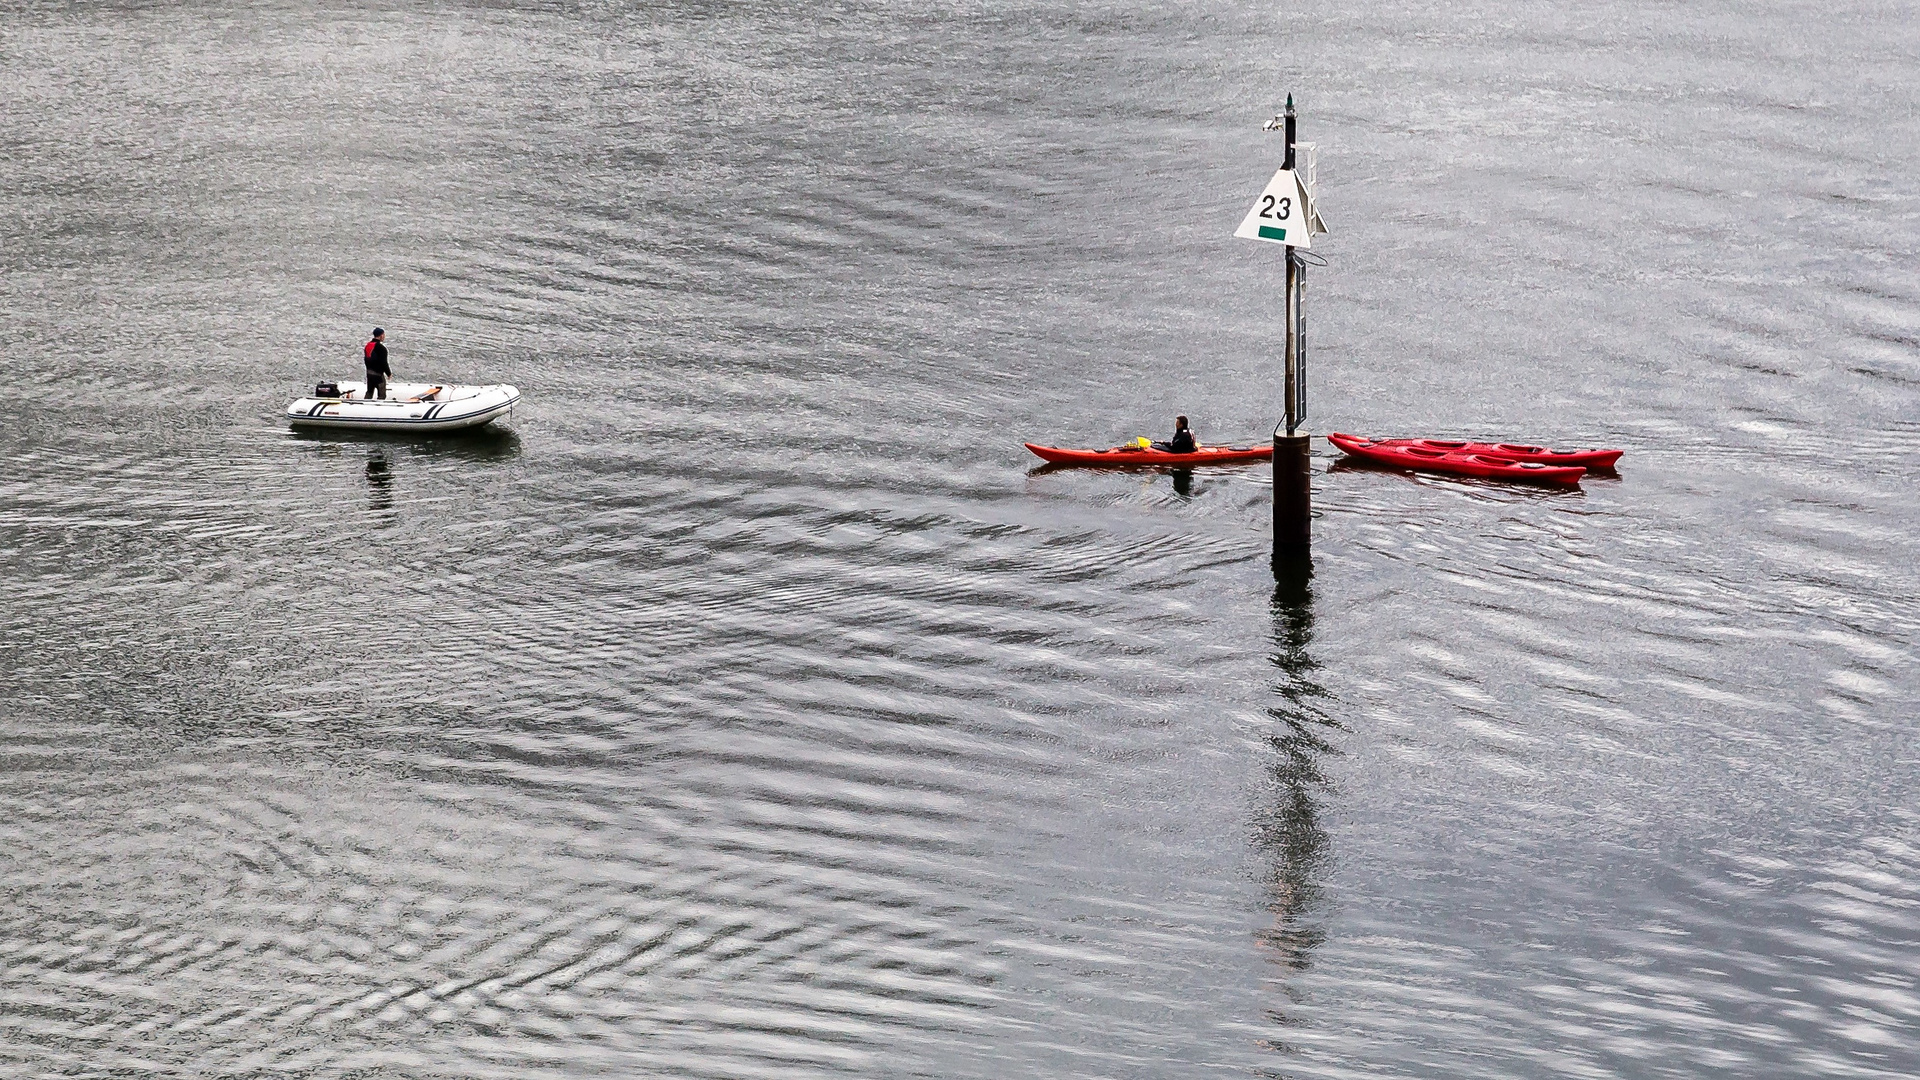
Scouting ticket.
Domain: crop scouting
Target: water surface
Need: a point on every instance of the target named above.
(748, 705)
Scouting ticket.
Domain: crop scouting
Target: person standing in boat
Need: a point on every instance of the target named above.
(377, 369)
(1182, 441)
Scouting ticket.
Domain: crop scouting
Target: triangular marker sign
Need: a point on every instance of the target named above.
(1282, 214)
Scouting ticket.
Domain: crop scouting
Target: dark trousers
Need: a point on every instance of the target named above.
(377, 380)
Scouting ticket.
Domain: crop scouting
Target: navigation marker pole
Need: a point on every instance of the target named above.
(1286, 215)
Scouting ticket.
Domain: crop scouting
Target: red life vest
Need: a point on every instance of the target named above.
(369, 351)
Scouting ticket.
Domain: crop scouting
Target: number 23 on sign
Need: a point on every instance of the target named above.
(1278, 217)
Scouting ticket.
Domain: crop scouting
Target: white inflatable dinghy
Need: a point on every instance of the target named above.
(407, 407)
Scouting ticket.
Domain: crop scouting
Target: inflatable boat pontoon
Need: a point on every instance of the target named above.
(407, 407)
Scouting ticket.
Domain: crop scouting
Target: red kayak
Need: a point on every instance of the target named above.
(1591, 459)
(1134, 455)
(1457, 462)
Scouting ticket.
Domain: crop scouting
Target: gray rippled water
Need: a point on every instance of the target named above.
(749, 705)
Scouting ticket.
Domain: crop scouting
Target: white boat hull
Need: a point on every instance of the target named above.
(407, 407)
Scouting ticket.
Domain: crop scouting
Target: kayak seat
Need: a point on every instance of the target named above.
(1516, 449)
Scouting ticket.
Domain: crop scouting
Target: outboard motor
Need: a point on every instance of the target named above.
(327, 389)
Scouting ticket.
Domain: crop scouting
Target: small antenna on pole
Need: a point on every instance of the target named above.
(1288, 116)
(1279, 119)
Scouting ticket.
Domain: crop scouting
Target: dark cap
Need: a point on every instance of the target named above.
(377, 331)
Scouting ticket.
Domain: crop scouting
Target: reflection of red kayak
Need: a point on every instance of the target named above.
(1592, 459)
(1134, 455)
(1458, 462)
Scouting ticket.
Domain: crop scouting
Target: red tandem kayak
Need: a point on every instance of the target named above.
(1134, 455)
(1591, 459)
(1457, 462)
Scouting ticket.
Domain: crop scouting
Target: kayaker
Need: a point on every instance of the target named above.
(1182, 441)
(377, 369)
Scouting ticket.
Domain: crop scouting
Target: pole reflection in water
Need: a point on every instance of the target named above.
(1288, 830)
(379, 480)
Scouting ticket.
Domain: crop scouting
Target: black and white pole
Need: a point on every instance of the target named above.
(1292, 463)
